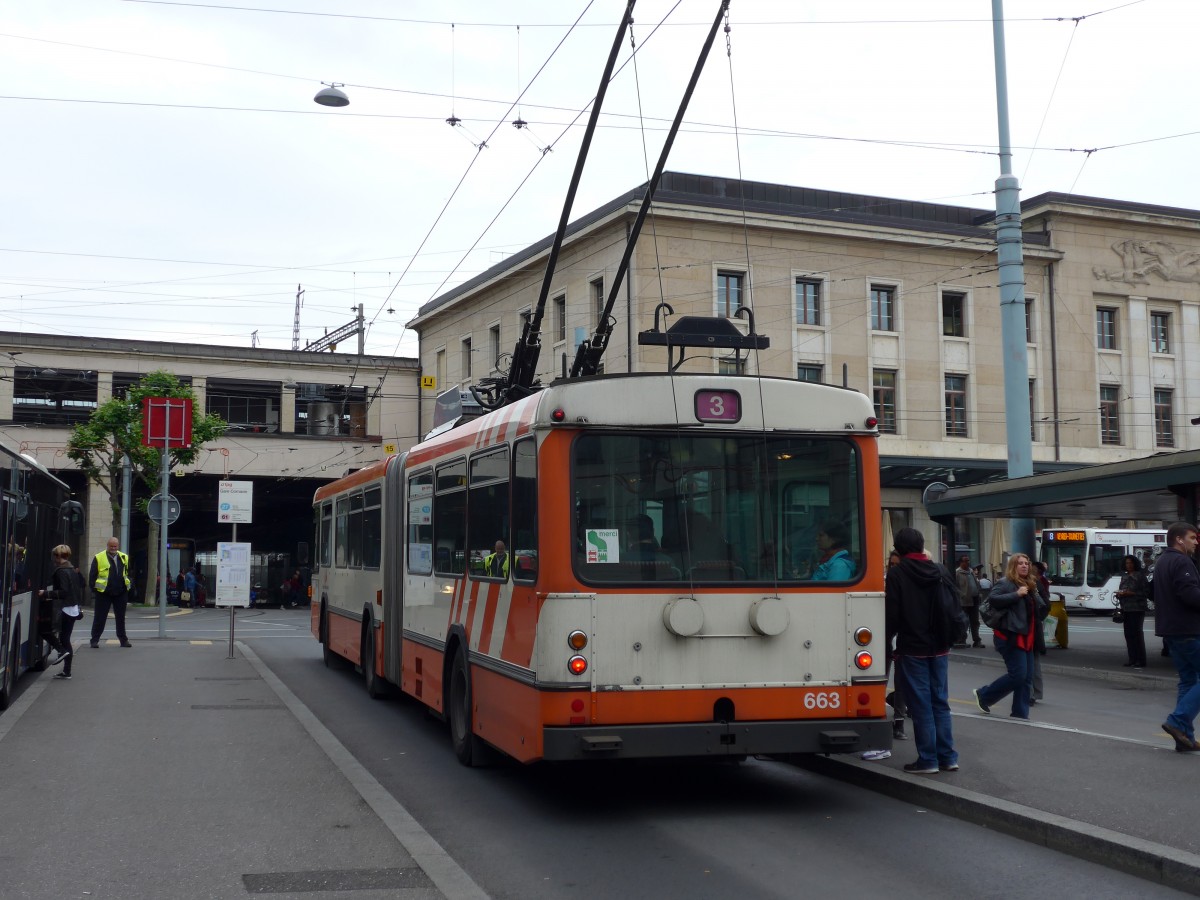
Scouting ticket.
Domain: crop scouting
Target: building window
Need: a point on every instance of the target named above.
(597, 287)
(466, 358)
(809, 373)
(954, 314)
(883, 308)
(494, 345)
(1160, 332)
(1032, 410)
(1106, 328)
(1110, 414)
(1029, 320)
(956, 406)
(323, 410)
(729, 293)
(1164, 433)
(440, 369)
(248, 405)
(730, 365)
(883, 392)
(808, 302)
(560, 318)
(53, 396)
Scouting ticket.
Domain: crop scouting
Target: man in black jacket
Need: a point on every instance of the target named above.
(1176, 589)
(913, 615)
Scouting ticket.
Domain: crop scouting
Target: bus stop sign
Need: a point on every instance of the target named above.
(155, 509)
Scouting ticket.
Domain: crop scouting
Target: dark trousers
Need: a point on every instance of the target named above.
(105, 602)
(1135, 639)
(51, 637)
(65, 626)
(973, 614)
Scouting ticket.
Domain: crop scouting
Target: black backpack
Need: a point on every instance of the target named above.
(950, 621)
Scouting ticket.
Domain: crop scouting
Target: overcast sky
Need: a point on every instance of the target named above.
(166, 174)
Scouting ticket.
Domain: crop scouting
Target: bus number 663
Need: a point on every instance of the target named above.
(822, 700)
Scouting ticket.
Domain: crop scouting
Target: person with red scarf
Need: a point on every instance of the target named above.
(1018, 597)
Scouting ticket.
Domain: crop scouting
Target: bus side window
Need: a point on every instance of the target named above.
(524, 510)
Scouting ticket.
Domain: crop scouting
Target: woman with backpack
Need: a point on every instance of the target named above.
(1017, 600)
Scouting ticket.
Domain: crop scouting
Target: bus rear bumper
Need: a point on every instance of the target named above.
(716, 739)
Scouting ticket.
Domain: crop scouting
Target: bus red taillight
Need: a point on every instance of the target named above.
(862, 636)
(863, 659)
(871, 422)
(577, 665)
(558, 414)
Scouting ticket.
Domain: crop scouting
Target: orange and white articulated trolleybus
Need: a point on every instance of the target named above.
(618, 566)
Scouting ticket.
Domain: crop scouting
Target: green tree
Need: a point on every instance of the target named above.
(114, 430)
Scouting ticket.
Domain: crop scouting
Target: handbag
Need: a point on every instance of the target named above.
(186, 597)
(1118, 616)
(989, 615)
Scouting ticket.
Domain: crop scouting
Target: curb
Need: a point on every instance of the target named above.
(1126, 679)
(1144, 859)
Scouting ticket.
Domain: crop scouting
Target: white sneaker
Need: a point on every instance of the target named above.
(61, 656)
(63, 675)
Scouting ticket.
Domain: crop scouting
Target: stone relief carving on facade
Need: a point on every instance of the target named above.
(1140, 259)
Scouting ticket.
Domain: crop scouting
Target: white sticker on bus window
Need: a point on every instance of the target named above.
(419, 512)
(420, 558)
(603, 545)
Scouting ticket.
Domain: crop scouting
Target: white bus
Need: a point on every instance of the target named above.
(1080, 560)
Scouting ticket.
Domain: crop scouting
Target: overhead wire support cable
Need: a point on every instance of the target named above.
(590, 352)
(522, 374)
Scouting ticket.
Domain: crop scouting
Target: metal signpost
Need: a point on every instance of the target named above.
(233, 580)
(166, 423)
(235, 504)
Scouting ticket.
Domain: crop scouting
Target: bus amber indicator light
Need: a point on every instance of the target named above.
(863, 660)
(577, 640)
(577, 665)
(862, 636)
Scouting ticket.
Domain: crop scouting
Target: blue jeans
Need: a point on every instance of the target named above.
(1019, 664)
(927, 693)
(1185, 653)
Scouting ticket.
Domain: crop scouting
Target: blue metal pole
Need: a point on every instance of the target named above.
(1012, 295)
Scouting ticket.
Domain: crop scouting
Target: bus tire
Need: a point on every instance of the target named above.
(470, 749)
(375, 685)
(8, 678)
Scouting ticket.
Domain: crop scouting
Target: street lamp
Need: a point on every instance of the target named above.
(331, 96)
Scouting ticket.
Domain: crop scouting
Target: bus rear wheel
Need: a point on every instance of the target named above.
(8, 678)
(375, 685)
(470, 750)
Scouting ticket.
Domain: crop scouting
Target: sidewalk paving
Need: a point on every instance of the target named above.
(228, 793)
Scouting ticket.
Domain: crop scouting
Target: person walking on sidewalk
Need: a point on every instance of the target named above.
(66, 585)
(1133, 595)
(1016, 596)
(1177, 620)
(968, 596)
(58, 596)
(913, 610)
(109, 581)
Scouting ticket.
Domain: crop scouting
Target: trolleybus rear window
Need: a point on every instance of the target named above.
(733, 507)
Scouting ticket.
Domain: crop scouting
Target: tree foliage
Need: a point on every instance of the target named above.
(99, 445)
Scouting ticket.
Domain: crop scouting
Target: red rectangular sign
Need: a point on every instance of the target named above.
(167, 421)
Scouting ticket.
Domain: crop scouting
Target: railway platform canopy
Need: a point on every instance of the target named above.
(1163, 487)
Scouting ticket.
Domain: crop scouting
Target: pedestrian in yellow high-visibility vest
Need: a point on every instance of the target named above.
(495, 564)
(109, 581)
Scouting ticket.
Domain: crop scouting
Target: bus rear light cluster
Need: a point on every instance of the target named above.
(577, 665)
(863, 659)
(862, 636)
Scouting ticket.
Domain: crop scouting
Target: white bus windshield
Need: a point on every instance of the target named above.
(727, 507)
